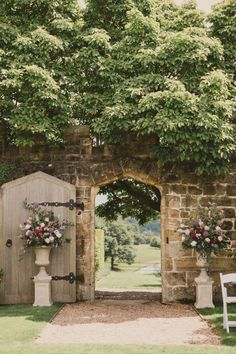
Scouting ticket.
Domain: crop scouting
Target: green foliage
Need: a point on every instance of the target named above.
(166, 79)
(39, 40)
(129, 198)
(7, 170)
(155, 242)
(223, 26)
(118, 244)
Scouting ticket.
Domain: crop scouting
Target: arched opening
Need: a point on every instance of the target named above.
(128, 239)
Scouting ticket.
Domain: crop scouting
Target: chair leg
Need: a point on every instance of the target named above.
(226, 321)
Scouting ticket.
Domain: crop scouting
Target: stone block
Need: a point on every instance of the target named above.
(229, 213)
(174, 213)
(227, 225)
(221, 189)
(183, 293)
(172, 235)
(178, 188)
(174, 278)
(231, 190)
(186, 263)
(206, 201)
(175, 249)
(225, 201)
(184, 214)
(209, 189)
(194, 190)
(167, 264)
(222, 264)
(172, 201)
(189, 201)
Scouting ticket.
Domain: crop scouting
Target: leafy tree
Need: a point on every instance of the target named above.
(130, 198)
(118, 244)
(155, 242)
(223, 26)
(165, 79)
(38, 41)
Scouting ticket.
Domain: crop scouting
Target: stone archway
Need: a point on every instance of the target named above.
(103, 174)
(157, 259)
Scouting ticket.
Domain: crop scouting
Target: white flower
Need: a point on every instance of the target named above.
(193, 243)
(198, 235)
(207, 239)
(51, 239)
(218, 228)
(183, 238)
(201, 223)
(220, 238)
(206, 228)
(57, 233)
(187, 232)
(46, 219)
(42, 224)
(27, 226)
(47, 240)
(182, 226)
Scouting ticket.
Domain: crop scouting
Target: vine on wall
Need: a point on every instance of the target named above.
(7, 170)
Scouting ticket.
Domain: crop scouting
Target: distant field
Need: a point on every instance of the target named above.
(128, 276)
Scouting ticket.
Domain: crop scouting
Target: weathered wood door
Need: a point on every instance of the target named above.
(17, 285)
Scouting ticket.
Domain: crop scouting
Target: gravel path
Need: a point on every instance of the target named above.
(128, 322)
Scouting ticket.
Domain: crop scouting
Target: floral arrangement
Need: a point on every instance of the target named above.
(43, 228)
(205, 234)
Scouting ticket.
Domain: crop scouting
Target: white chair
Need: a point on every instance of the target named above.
(224, 279)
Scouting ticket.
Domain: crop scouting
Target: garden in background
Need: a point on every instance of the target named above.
(132, 255)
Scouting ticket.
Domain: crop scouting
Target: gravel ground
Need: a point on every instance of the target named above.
(128, 322)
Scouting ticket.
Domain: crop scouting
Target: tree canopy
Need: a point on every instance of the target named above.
(119, 243)
(149, 67)
(130, 198)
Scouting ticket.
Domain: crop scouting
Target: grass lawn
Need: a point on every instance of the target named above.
(21, 324)
(215, 318)
(127, 275)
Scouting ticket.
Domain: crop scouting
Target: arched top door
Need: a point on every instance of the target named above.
(17, 285)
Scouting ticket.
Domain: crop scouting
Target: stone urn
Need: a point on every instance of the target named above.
(203, 284)
(42, 256)
(42, 281)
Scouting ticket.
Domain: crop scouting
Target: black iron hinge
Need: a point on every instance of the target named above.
(71, 204)
(71, 277)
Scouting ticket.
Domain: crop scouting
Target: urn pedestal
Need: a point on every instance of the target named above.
(203, 285)
(42, 281)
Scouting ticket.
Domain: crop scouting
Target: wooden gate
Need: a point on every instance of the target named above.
(17, 285)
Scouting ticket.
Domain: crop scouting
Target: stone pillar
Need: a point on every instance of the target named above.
(85, 244)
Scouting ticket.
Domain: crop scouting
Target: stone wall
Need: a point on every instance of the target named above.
(88, 167)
